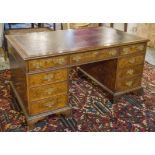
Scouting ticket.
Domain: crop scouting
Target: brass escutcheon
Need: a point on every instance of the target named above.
(48, 77)
(130, 71)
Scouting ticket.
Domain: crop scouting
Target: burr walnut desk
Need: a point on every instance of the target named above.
(40, 64)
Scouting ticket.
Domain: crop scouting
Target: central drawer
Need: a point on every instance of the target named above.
(47, 77)
(45, 91)
(93, 56)
(53, 103)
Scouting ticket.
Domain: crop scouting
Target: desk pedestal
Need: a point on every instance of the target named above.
(106, 75)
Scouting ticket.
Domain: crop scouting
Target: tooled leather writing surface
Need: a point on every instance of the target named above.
(44, 44)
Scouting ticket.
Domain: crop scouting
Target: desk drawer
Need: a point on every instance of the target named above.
(128, 84)
(48, 77)
(132, 49)
(40, 64)
(131, 61)
(107, 53)
(53, 103)
(130, 72)
(41, 92)
(93, 56)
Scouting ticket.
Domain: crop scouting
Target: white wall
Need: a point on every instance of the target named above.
(1, 34)
(132, 27)
(119, 26)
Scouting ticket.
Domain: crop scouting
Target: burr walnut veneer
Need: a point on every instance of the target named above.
(40, 64)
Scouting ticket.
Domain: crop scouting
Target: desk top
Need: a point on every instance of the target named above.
(45, 44)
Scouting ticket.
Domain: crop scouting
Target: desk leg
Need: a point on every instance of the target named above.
(114, 99)
(31, 123)
(68, 113)
(139, 92)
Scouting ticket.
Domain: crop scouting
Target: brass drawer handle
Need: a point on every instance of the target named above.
(126, 50)
(132, 61)
(130, 71)
(140, 47)
(133, 48)
(95, 53)
(36, 65)
(112, 52)
(77, 58)
(129, 83)
(48, 77)
(50, 104)
(60, 61)
(50, 91)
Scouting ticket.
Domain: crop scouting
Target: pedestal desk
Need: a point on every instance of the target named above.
(40, 64)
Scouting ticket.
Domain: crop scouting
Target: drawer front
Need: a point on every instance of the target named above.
(128, 84)
(49, 104)
(82, 57)
(131, 61)
(130, 72)
(46, 63)
(36, 93)
(48, 77)
(132, 49)
(93, 56)
(107, 53)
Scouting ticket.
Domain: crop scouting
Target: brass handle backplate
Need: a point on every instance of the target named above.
(141, 47)
(60, 61)
(36, 65)
(126, 50)
(77, 58)
(48, 77)
(50, 104)
(130, 71)
(129, 83)
(95, 53)
(50, 91)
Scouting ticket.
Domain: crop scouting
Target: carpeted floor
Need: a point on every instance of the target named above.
(92, 111)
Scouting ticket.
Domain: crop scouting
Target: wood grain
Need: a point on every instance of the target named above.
(37, 93)
(93, 56)
(131, 60)
(41, 64)
(133, 49)
(127, 84)
(104, 72)
(130, 72)
(53, 103)
(47, 77)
